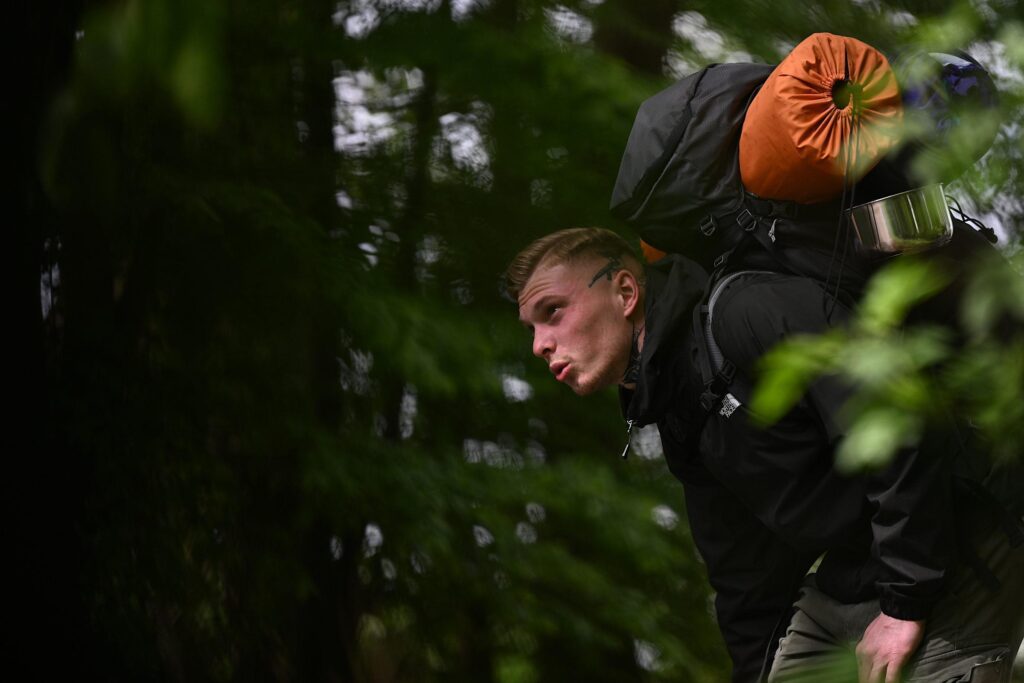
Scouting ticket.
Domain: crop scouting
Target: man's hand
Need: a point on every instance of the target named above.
(887, 645)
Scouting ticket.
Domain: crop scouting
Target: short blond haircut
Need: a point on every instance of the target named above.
(566, 246)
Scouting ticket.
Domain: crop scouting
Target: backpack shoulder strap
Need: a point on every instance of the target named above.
(717, 373)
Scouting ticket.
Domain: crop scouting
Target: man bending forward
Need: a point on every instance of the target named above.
(764, 504)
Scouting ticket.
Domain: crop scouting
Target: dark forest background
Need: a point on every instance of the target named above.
(272, 418)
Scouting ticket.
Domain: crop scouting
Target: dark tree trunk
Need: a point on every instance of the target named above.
(329, 619)
(42, 491)
(638, 33)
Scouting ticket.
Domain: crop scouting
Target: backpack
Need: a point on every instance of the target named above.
(679, 176)
(679, 185)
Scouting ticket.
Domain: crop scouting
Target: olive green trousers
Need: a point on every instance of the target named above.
(973, 634)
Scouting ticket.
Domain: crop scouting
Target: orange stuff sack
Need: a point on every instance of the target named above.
(830, 97)
(651, 254)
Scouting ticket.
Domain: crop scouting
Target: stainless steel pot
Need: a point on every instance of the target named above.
(910, 221)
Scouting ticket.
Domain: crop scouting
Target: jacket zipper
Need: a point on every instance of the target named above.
(629, 437)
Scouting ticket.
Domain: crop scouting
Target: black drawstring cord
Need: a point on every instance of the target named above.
(633, 366)
(987, 232)
(843, 226)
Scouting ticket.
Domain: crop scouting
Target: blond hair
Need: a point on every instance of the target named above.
(566, 246)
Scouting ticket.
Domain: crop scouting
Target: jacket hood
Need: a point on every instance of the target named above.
(675, 285)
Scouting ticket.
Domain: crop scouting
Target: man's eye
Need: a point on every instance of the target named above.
(553, 309)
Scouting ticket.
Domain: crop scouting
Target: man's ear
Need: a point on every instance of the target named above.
(628, 289)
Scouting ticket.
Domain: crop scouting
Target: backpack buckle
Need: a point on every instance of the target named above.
(746, 220)
(728, 372)
(708, 225)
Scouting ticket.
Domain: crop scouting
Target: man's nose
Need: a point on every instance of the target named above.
(543, 344)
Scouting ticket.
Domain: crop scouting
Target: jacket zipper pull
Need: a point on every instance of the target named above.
(629, 437)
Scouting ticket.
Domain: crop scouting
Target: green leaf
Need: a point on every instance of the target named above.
(196, 80)
(786, 372)
(875, 436)
(894, 290)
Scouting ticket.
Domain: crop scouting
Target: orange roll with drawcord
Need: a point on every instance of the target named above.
(831, 107)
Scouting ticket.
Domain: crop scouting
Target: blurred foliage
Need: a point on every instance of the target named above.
(306, 436)
(905, 376)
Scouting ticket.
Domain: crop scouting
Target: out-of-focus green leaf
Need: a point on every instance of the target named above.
(1011, 35)
(956, 27)
(514, 669)
(196, 80)
(987, 383)
(875, 437)
(874, 361)
(786, 372)
(894, 290)
(995, 294)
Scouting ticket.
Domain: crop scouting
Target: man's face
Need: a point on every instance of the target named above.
(583, 333)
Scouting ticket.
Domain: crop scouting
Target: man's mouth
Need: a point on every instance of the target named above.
(560, 370)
